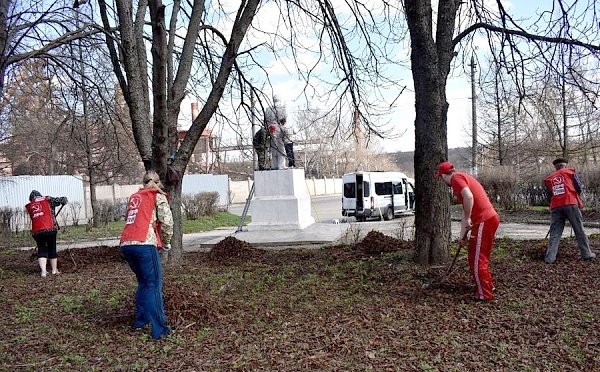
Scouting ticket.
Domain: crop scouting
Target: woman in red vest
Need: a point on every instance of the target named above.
(148, 228)
(44, 228)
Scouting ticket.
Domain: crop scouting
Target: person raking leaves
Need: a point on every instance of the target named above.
(44, 228)
(478, 216)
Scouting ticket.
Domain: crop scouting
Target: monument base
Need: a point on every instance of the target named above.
(280, 201)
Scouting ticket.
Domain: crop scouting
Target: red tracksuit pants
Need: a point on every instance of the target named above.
(480, 249)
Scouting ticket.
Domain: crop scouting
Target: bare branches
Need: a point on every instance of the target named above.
(526, 35)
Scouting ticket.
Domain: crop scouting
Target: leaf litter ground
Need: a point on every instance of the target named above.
(356, 307)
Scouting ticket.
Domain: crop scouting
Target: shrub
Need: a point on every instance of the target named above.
(6, 220)
(13, 220)
(201, 204)
(512, 190)
(590, 177)
(501, 184)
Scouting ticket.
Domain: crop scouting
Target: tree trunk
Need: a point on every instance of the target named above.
(94, 199)
(175, 255)
(430, 62)
(4, 40)
(432, 219)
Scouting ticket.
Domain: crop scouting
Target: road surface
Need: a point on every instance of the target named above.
(328, 209)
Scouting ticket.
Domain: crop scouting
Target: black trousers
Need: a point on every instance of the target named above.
(46, 243)
(289, 153)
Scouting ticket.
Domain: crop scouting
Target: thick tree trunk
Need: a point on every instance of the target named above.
(430, 62)
(432, 219)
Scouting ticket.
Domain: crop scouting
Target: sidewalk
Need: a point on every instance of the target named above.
(316, 234)
(322, 233)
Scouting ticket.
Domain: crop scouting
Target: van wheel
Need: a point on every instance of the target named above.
(361, 218)
(389, 214)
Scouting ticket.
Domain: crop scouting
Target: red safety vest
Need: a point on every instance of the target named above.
(560, 183)
(139, 213)
(41, 214)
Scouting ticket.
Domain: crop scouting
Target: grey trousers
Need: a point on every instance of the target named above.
(559, 216)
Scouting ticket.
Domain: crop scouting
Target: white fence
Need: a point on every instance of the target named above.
(239, 190)
(192, 184)
(14, 193)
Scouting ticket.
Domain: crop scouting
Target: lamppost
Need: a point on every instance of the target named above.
(474, 119)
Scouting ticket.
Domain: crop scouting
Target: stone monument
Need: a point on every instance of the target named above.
(281, 201)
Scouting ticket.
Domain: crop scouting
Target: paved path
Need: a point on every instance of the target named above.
(319, 234)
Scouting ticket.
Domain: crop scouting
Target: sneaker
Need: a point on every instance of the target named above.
(56, 272)
(590, 258)
(43, 275)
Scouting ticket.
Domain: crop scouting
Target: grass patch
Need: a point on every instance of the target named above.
(207, 223)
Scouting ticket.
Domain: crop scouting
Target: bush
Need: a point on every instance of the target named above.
(6, 220)
(502, 186)
(590, 177)
(13, 220)
(513, 191)
(110, 212)
(201, 204)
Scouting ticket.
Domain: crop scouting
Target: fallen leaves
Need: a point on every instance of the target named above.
(339, 308)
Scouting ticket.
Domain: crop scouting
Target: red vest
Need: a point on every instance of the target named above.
(560, 183)
(139, 213)
(41, 214)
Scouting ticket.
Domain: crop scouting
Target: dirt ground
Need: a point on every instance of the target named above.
(361, 307)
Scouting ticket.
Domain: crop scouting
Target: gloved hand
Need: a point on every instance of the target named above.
(167, 247)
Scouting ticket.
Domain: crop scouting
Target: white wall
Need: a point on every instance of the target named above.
(14, 192)
(239, 190)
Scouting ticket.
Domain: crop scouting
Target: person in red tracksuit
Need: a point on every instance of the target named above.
(44, 228)
(481, 219)
(564, 188)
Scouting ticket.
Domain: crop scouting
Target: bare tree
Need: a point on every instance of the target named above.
(172, 61)
(354, 39)
(433, 47)
(33, 29)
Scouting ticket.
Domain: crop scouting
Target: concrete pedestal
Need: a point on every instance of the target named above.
(281, 201)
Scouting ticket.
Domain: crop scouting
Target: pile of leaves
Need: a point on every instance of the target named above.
(376, 243)
(76, 259)
(232, 250)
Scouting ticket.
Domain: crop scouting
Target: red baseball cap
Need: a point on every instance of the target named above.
(444, 168)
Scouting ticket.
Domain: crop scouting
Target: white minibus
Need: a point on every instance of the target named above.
(377, 194)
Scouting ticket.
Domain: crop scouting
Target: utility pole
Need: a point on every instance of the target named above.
(474, 119)
(565, 144)
(254, 155)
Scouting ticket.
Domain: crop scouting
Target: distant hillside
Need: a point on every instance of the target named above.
(460, 157)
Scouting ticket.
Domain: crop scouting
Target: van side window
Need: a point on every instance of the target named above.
(383, 188)
(349, 190)
(366, 189)
(397, 188)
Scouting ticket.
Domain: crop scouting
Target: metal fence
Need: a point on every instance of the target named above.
(14, 194)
